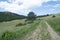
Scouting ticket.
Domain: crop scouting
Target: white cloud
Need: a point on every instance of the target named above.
(57, 5)
(52, 9)
(21, 5)
(55, 0)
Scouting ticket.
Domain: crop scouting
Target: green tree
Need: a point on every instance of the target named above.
(31, 16)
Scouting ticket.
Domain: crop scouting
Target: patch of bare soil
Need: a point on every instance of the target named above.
(39, 33)
(35, 35)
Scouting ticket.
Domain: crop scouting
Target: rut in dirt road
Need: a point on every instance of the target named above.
(34, 36)
(38, 34)
(43, 32)
(54, 35)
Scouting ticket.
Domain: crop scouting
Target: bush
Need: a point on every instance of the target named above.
(47, 15)
(20, 24)
(30, 22)
(53, 16)
(26, 20)
(39, 19)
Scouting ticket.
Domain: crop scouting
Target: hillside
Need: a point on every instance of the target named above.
(43, 28)
(54, 22)
(7, 16)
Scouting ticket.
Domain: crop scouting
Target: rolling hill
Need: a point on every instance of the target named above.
(43, 28)
(54, 22)
(7, 16)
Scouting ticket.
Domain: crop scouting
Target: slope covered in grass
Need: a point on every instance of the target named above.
(9, 30)
(8, 16)
(55, 22)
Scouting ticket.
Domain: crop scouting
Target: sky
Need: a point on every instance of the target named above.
(23, 7)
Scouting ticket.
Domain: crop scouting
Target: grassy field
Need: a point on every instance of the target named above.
(9, 30)
(18, 29)
(54, 22)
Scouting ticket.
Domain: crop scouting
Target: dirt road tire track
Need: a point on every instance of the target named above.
(43, 33)
(54, 35)
(34, 36)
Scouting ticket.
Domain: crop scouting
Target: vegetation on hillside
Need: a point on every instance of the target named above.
(15, 33)
(8, 16)
(31, 16)
(54, 21)
(18, 29)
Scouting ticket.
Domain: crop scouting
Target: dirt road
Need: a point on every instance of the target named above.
(54, 35)
(43, 33)
(35, 35)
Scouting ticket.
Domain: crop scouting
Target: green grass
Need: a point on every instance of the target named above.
(9, 25)
(9, 31)
(55, 23)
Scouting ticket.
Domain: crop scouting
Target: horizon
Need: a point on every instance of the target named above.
(23, 7)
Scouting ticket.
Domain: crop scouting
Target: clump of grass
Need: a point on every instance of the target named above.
(8, 36)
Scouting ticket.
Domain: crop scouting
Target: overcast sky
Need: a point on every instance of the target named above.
(40, 7)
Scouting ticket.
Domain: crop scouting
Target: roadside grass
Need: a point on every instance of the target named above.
(55, 23)
(8, 31)
(10, 26)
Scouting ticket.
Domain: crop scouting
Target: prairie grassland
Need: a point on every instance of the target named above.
(9, 31)
(54, 22)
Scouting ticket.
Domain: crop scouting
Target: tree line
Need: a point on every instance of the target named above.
(8, 16)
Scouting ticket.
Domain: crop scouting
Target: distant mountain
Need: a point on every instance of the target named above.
(8, 16)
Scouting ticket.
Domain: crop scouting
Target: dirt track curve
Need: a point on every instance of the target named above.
(43, 33)
(54, 35)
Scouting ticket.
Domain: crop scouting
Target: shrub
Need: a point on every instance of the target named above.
(53, 16)
(30, 22)
(20, 24)
(39, 19)
(47, 15)
(26, 20)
